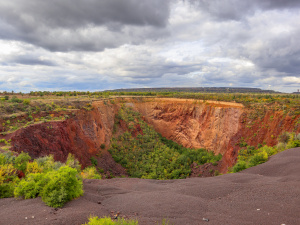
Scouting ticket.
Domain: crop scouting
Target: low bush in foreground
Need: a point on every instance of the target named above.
(55, 182)
(109, 221)
(55, 187)
(62, 186)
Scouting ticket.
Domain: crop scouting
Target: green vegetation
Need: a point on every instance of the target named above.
(55, 182)
(62, 103)
(247, 96)
(21, 110)
(55, 187)
(62, 186)
(8, 178)
(250, 98)
(120, 221)
(146, 154)
(90, 173)
(94, 161)
(108, 221)
(251, 156)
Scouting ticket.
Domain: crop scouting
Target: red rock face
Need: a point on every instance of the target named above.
(216, 126)
(82, 135)
(193, 124)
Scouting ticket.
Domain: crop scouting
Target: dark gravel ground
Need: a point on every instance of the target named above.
(265, 194)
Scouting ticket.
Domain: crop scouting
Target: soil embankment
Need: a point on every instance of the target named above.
(265, 194)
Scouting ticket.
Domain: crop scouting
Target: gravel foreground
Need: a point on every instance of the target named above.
(265, 194)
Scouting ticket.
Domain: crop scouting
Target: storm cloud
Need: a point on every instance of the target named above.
(107, 44)
(82, 25)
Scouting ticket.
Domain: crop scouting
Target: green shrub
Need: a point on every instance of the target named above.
(293, 144)
(73, 162)
(281, 147)
(55, 187)
(63, 186)
(15, 99)
(108, 221)
(7, 157)
(31, 186)
(26, 101)
(217, 173)
(47, 163)
(21, 161)
(8, 179)
(269, 150)
(258, 158)
(94, 161)
(284, 137)
(90, 173)
(239, 166)
(3, 141)
(2, 159)
(57, 165)
(33, 167)
(7, 190)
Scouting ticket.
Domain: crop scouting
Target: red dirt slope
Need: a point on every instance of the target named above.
(266, 194)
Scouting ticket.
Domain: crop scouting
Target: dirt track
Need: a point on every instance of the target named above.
(266, 194)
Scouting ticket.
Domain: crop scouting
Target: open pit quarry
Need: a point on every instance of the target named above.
(215, 126)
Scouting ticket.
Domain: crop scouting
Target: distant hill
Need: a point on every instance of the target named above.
(197, 89)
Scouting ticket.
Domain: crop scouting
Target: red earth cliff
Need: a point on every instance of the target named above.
(82, 135)
(215, 126)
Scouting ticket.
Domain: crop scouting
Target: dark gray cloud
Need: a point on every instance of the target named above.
(79, 13)
(281, 53)
(82, 25)
(29, 60)
(237, 9)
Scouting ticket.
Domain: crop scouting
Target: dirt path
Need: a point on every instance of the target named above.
(266, 194)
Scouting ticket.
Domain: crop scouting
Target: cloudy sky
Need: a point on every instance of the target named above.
(108, 44)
